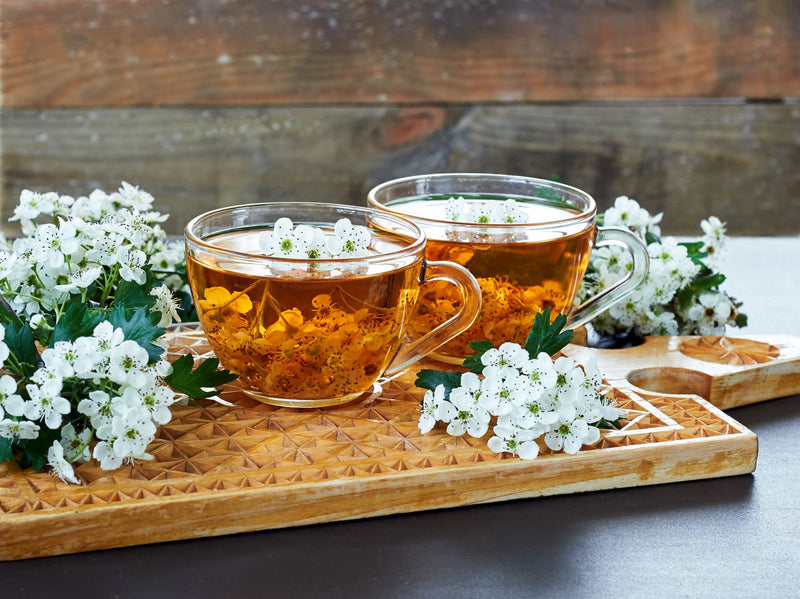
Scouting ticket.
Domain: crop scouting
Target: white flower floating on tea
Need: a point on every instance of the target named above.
(285, 240)
(528, 394)
(681, 294)
(490, 212)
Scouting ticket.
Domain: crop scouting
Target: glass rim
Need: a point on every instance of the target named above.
(586, 214)
(413, 247)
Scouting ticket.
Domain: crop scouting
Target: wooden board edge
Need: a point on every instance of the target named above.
(230, 512)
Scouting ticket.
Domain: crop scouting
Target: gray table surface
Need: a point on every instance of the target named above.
(731, 537)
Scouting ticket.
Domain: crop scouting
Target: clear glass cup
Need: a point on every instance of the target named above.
(312, 332)
(522, 267)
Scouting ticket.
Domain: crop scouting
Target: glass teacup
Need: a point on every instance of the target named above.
(533, 259)
(315, 330)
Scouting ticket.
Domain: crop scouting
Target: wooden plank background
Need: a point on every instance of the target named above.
(692, 107)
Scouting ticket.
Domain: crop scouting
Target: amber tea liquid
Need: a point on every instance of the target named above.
(520, 271)
(306, 334)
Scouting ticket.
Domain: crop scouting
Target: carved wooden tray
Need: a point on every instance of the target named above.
(226, 469)
(727, 371)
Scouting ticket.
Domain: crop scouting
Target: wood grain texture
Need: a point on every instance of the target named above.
(187, 52)
(221, 470)
(737, 161)
(727, 371)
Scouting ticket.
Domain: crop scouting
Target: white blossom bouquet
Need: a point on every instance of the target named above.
(524, 393)
(681, 294)
(85, 295)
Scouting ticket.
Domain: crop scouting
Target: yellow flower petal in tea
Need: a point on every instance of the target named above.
(219, 297)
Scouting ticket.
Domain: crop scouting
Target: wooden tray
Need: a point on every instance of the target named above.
(727, 371)
(221, 470)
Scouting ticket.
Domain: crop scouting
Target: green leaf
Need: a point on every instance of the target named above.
(186, 308)
(694, 249)
(132, 296)
(700, 284)
(547, 193)
(195, 382)
(547, 337)
(34, 452)
(473, 362)
(7, 313)
(139, 327)
(430, 379)
(21, 345)
(603, 423)
(77, 321)
(5, 450)
(650, 237)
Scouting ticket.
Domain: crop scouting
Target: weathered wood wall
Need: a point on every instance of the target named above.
(692, 107)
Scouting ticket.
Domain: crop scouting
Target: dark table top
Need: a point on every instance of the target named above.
(729, 537)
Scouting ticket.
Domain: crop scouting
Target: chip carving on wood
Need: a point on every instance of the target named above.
(220, 469)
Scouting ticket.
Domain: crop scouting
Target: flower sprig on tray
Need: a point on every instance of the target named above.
(524, 392)
(86, 295)
(681, 294)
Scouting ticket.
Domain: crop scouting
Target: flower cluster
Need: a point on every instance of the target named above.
(304, 241)
(127, 403)
(529, 397)
(85, 295)
(681, 293)
(486, 213)
(89, 244)
(526, 392)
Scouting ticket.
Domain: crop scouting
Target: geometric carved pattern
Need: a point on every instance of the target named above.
(729, 350)
(209, 447)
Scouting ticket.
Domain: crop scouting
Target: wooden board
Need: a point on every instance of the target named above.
(181, 52)
(690, 161)
(220, 470)
(727, 371)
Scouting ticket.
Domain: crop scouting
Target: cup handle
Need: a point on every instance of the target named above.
(471, 294)
(622, 288)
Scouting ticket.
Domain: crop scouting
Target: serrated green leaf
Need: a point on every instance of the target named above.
(481, 347)
(132, 296)
(706, 281)
(694, 250)
(34, 452)
(710, 281)
(650, 237)
(6, 452)
(21, 345)
(430, 379)
(77, 321)
(546, 336)
(473, 362)
(195, 383)
(140, 327)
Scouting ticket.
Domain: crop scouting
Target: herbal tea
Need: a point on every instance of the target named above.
(304, 331)
(520, 270)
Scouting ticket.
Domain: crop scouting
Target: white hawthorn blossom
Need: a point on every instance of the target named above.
(665, 303)
(103, 393)
(306, 242)
(529, 397)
